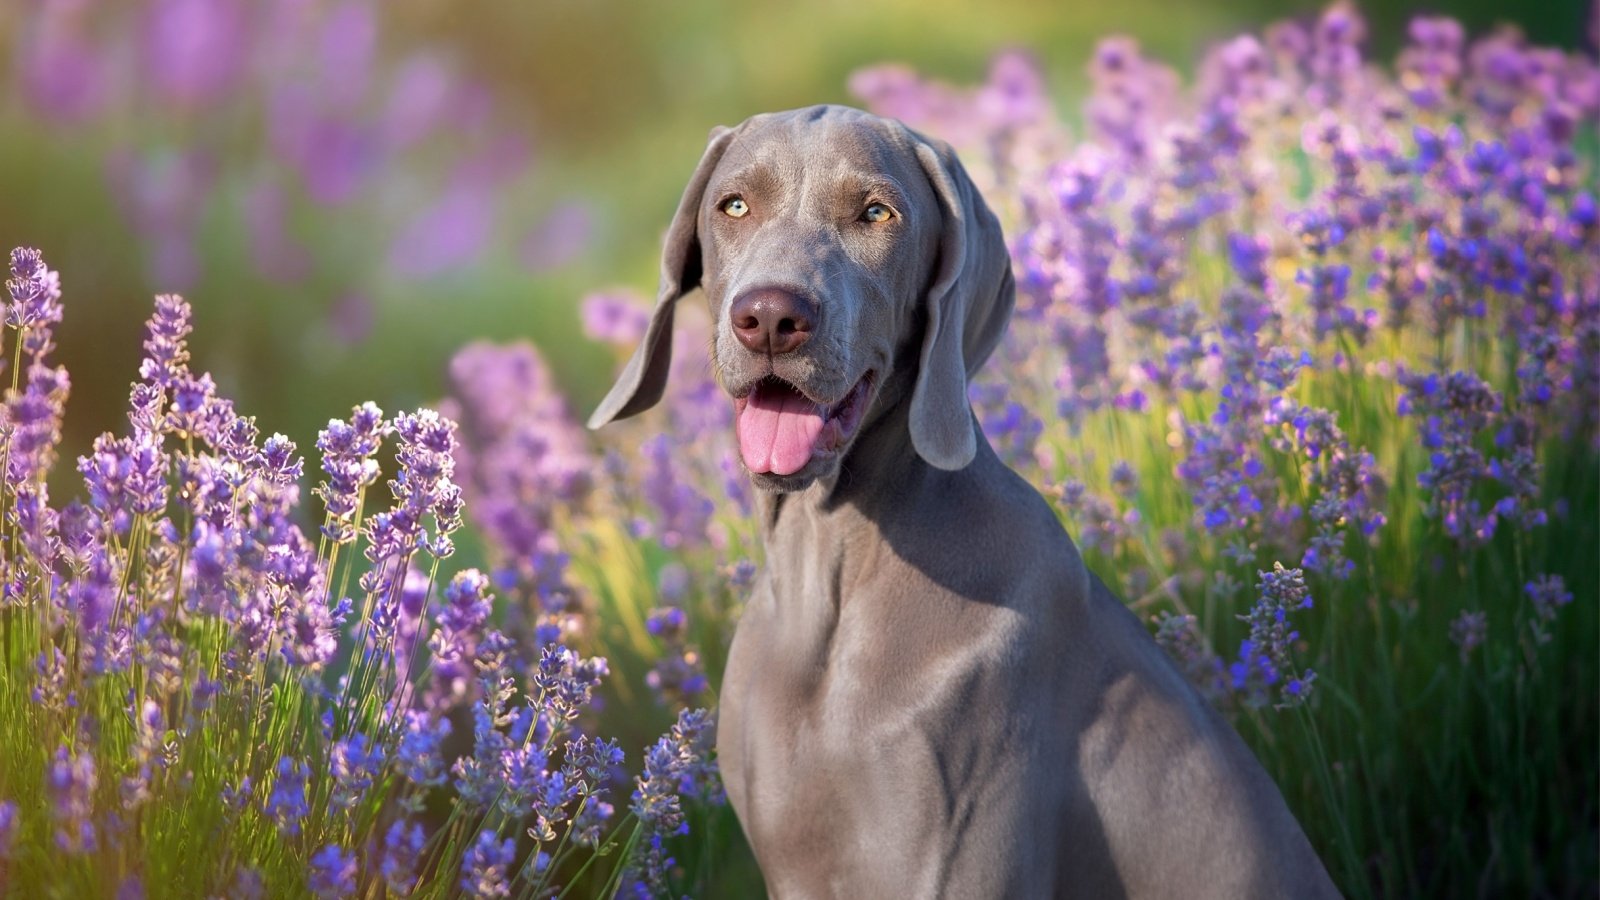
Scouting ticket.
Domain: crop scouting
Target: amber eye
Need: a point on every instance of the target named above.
(735, 207)
(876, 213)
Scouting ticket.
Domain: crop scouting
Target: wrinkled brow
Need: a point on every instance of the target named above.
(875, 186)
(754, 178)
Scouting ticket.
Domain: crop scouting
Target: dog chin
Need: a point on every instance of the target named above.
(770, 483)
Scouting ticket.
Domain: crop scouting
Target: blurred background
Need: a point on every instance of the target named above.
(349, 190)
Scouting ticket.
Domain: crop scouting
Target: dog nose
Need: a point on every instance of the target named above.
(772, 320)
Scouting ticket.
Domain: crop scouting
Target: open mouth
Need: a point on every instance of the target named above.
(780, 429)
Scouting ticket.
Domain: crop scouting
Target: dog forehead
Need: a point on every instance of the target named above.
(822, 139)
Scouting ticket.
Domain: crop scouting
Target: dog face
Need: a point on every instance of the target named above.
(818, 234)
(848, 263)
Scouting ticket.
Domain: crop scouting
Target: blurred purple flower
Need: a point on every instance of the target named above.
(486, 869)
(62, 71)
(347, 49)
(277, 254)
(563, 236)
(195, 50)
(286, 805)
(1468, 630)
(615, 318)
(448, 235)
(9, 825)
(333, 873)
(163, 195)
(71, 781)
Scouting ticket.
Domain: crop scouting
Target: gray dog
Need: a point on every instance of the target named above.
(928, 694)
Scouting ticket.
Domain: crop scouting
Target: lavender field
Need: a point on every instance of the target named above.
(1306, 354)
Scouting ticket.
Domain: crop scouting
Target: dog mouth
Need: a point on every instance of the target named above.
(780, 429)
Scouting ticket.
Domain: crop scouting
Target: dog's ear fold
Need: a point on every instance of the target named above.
(968, 306)
(644, 378)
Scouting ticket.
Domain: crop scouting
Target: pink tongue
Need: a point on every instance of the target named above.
(777, 429)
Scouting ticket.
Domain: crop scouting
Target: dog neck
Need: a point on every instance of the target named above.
(879, 493)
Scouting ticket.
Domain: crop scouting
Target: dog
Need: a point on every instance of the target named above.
(928, 693)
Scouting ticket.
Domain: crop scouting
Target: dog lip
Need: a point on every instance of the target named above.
(741, 393)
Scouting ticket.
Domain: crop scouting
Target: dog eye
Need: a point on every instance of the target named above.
(735, 207)
(877, 213)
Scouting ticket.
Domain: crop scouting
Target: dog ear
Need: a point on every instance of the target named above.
(968, 306)
(643, 379)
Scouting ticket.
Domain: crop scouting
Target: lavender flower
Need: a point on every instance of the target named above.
(1455, 408)
(563, 683)
(676, 766)
(614, 319)
(1548, 593)
(347, 450)
(287, 803)
(402, 852)
(1181, 637)
(166, 349)
(419, 757)
(356, 762)
(333, 873)
(1468, 630)
(71, 781)
(486, 869)
(9, 824)
(35, 293)
(1265, 658)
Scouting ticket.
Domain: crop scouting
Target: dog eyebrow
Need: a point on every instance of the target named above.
(880, 187)
(754, 178)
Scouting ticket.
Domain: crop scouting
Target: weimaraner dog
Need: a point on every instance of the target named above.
(929, 694)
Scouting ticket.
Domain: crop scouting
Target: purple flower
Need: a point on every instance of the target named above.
(563, 683)
(71, 782)
(678, 765)
(194, 49)
(1547, 593)
(1265, 658)
(347, 450)
(35, 292)
(448, 235)
(278, 463)
(333, 873)
(61, 69)
(273, 248)
(33, 418)
(286, 805)
(1468, 630)
(419, 757)
(560, 238)
(354, 764)
(166, 351)
(680, 514)
(1181, 637)
(486, 868)
(311, 632)
(614, 319)
(402, 852)
(455, 642)
(1453, 409)
(9, 825)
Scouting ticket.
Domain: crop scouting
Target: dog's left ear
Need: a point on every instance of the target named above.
(644, 378)
(968, 306)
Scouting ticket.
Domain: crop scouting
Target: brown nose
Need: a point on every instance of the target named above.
(772, 320)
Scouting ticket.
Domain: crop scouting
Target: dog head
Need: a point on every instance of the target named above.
(849, 264)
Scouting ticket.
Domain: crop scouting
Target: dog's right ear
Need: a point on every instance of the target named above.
(643, 379)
